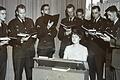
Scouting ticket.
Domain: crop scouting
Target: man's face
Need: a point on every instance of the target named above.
(95, 13)
(2, 15)
(80, 15)
(70, 12)
(46, 10)
(111, 15)
(21, 13)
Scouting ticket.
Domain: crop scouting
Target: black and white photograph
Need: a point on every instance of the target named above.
(59, 39)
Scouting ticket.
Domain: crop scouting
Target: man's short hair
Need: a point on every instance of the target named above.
(112, 9)
(96, 7)
(42, 7)
(20, 6)
(70, 6)
(80, 10)
(2, 8)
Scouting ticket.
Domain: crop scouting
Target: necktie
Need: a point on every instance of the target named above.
(70, 19)
(95, 20)
(23, 20)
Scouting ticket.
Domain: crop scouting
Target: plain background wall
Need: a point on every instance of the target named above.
(33, 11)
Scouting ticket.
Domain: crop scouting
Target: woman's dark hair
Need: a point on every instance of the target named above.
(19, 6)
(77, 32)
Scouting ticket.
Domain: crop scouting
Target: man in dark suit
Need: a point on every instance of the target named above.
(3, 47)
(84, 22)
(81, 15)
(46, 32)
(112, 14)
(96, 46)
(67, 25)
(22, 28)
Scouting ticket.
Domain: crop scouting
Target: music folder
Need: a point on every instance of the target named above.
(67, 27)
(52, 18)
(55, 19)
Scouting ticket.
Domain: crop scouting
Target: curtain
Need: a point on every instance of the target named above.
(33, 6)
(33, 11)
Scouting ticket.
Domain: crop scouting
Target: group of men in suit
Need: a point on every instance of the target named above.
(20, 30)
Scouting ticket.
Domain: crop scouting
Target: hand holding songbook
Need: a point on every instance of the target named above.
(50, 24)
(24, 36)
(106, 38)
(24, 39)
(92, 32)
(3, 43)
(68, 31)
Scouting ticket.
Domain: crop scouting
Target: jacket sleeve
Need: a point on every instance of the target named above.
(13, 33)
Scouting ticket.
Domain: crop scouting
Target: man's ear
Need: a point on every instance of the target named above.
(42, 11)
(17, 12)
(83, 15)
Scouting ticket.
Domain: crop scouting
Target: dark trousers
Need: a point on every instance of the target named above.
(110, 73)
(95, 67)
(22, 60)
(3, 62)
(46, 52)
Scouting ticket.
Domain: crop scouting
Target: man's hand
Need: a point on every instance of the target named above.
(24, 39)
(50, 24)
(3, 43)
(92, 32)
(106, 38)
(68, 31)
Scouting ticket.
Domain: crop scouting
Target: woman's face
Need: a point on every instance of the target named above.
(75, 38)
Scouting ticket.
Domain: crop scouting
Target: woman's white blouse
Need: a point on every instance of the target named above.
(78, 52)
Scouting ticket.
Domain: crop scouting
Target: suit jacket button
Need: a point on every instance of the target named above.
(44, 41)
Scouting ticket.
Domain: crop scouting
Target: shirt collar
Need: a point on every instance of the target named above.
(97, 19)
(115, 21)
(20, 19)
(71, 19)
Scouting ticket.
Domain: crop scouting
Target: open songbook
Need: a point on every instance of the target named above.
(66, 27)
(110, 35)
(93, 32)
(52, 18)
(4, 40)
(26, 34)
